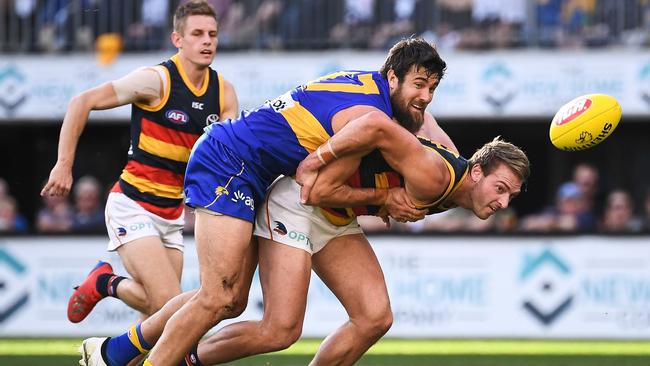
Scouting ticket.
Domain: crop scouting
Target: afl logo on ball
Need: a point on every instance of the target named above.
(177, 117)
(573, 111)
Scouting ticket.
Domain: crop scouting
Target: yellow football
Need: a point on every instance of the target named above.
(584, 122)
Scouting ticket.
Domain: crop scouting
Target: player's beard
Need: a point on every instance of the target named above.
(411, 121)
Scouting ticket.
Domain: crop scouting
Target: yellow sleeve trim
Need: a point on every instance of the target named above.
(221, 96)
(166, 85)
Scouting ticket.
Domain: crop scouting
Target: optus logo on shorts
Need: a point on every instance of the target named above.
(140, 225)
(177, 116)
(301, 238)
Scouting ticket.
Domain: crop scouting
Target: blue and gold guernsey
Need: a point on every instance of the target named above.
(374, 172)
(240, 158)
(277, 136)
(162, 137)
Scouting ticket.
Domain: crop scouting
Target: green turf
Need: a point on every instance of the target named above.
(374, 360)
(388, 352)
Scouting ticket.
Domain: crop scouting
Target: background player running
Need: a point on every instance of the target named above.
(171, 104)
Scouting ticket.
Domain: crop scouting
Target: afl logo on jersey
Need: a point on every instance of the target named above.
(213, 118)
(177, 117)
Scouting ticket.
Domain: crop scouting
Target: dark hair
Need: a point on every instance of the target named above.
(192, 7)
(497, 152)
(413, 51)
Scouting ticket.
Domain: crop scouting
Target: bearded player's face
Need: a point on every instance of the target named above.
(411, 96)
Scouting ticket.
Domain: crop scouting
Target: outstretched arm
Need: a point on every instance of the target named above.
(358, 137)
(142, 85)
(331, 190)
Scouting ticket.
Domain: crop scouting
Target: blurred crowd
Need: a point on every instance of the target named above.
(144, 25)
(580, 205)
(82, 213)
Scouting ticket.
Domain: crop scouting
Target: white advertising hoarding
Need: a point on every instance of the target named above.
(496, 84)
(488, 287)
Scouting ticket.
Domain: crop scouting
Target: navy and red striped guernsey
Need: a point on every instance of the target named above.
(162, 137)
(374, 172)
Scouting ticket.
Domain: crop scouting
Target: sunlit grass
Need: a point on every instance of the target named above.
(390, 347)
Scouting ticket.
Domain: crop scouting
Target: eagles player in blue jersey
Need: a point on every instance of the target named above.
(341, 255)
(235, 161)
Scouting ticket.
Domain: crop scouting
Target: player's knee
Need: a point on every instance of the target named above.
(376, 324)
(158, 300)
(221, 304)
(239, 305)
(281, 336)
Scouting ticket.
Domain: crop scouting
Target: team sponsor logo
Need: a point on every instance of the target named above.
(298, 236)
(241, 197)
(177, 116)
(588, 140)
(140, 226)
(280, 228)
(573, 111)
(546, 279)
(301, 238)
(15, 292)
(281, 103)
(13, 91)
(584, 137)
(499, 87)
(213, 118)
(220, 191)
(121, 231)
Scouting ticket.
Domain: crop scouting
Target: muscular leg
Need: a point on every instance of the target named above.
(349, 267)
(284, 276)
(222, 243)
(153, 327)
(155, 280)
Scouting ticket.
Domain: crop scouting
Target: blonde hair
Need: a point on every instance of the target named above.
(498, 152)
(192, 7)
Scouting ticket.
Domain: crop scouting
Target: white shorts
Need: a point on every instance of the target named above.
(127, 221)
(300, 226)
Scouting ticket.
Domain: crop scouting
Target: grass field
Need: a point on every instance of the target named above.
(388, 352)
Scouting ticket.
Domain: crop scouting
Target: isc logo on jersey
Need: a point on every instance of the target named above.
(176, 116)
